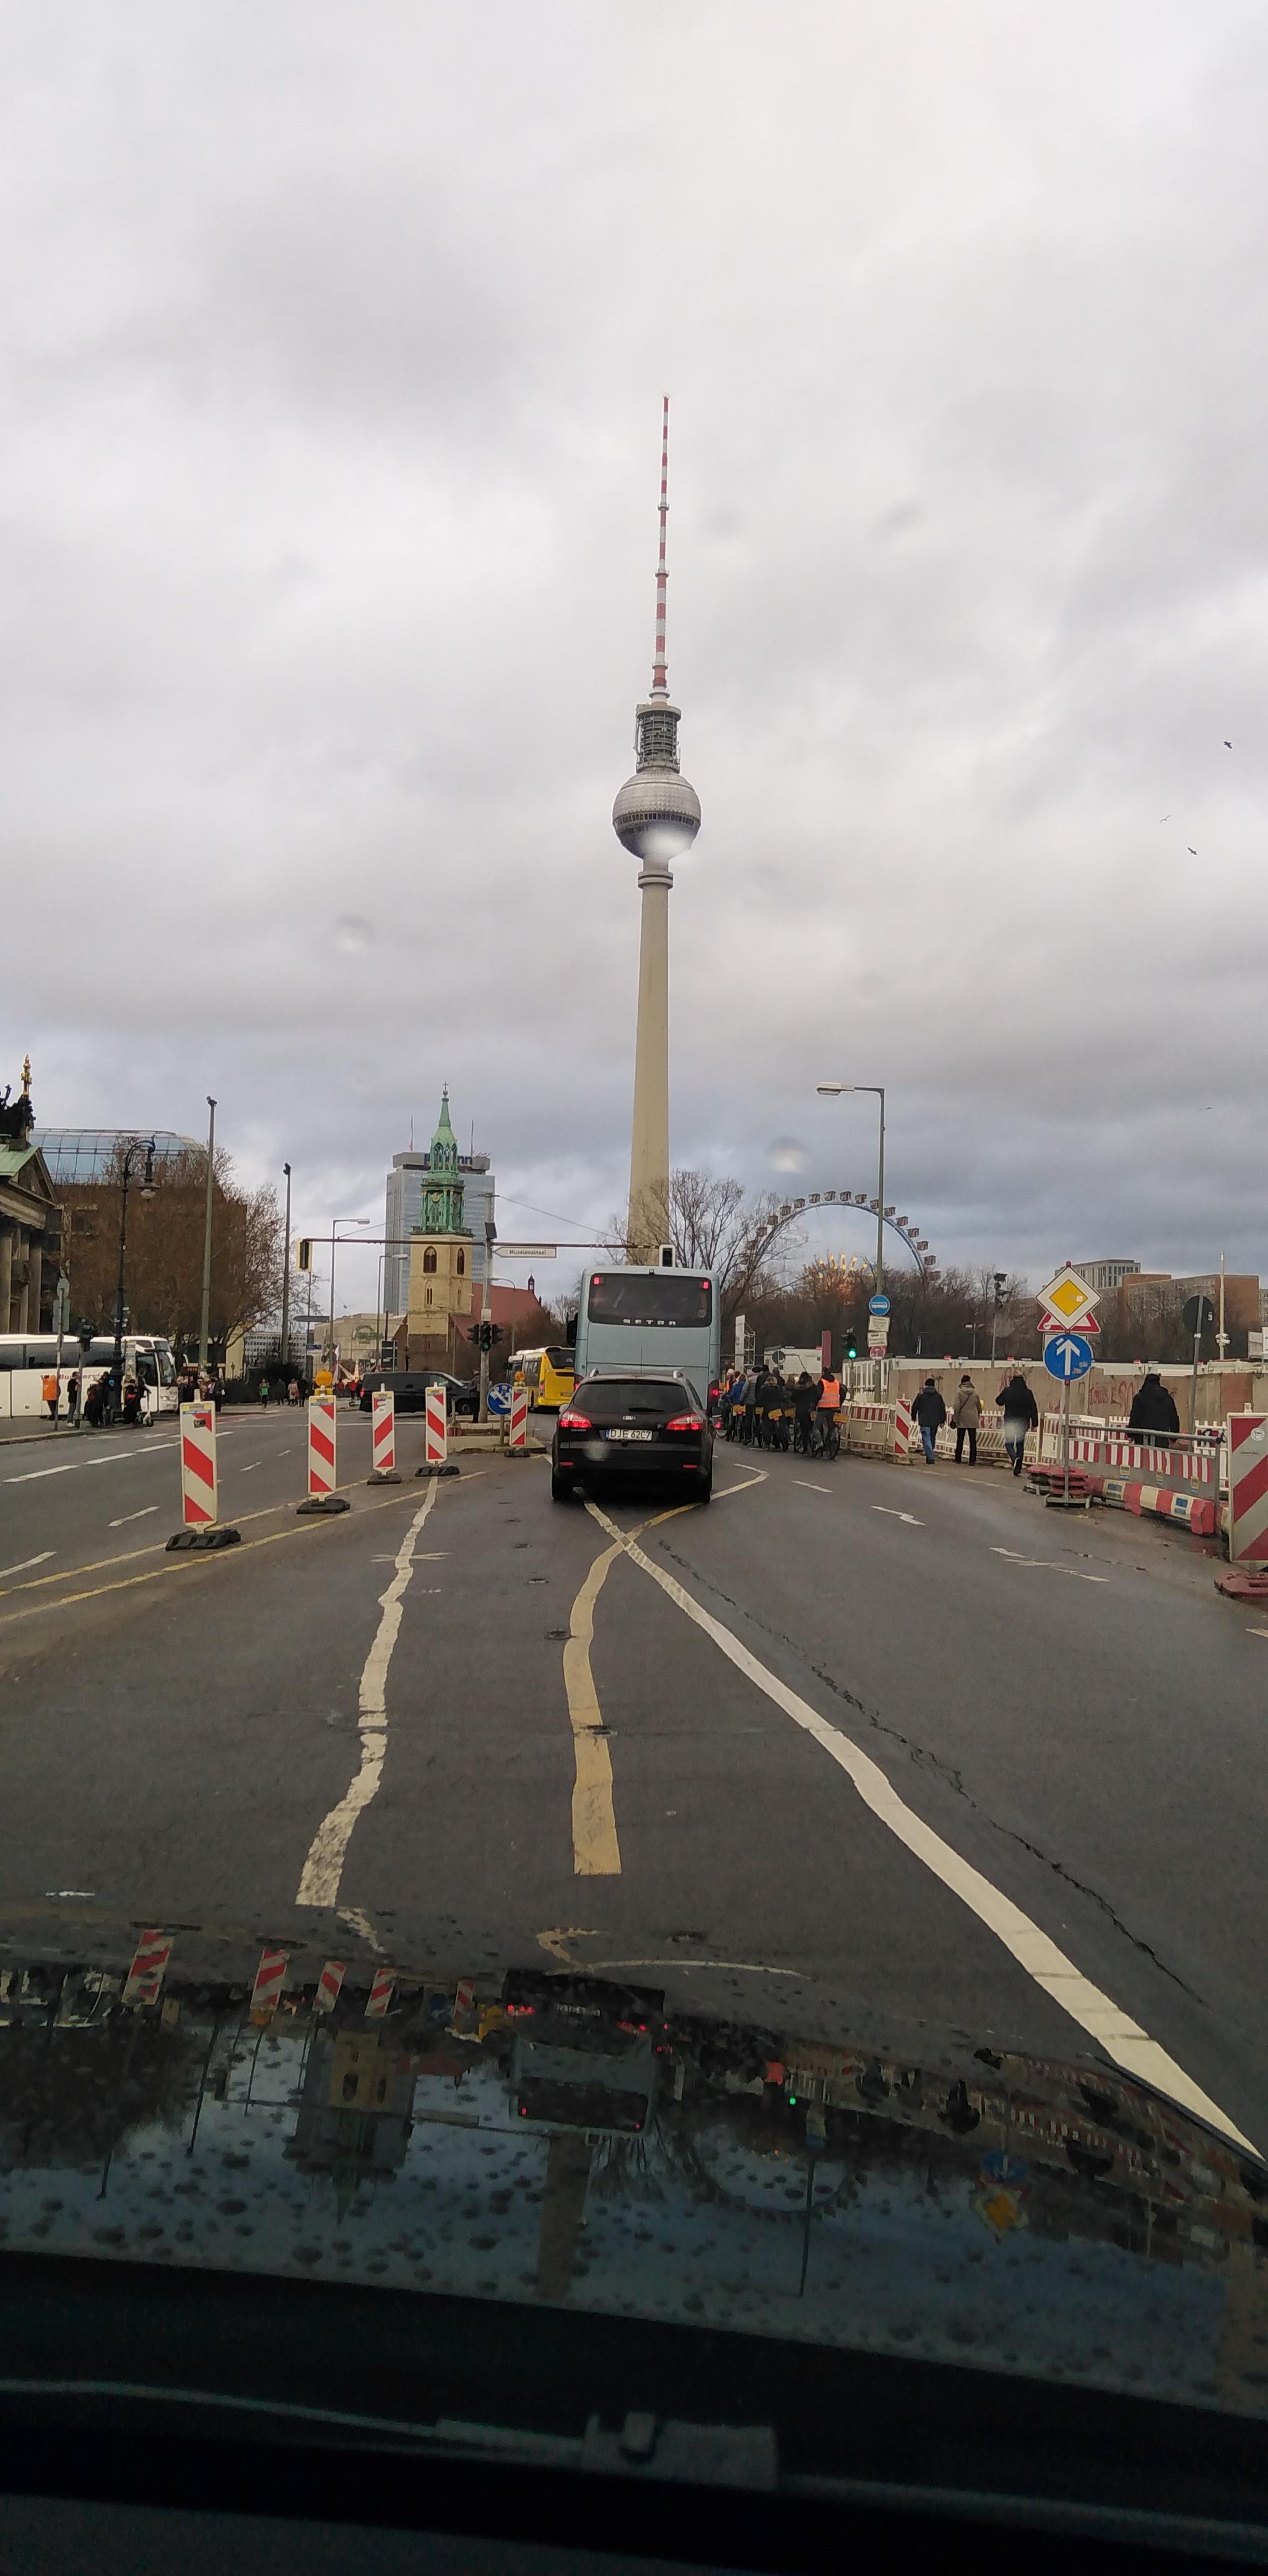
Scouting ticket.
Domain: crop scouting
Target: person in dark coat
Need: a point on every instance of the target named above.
(805, 1396)
(930, 1412)
(1153, 1409)
(1021, 1414)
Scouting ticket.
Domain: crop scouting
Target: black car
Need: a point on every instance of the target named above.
(409, 1386)
(619, 1423)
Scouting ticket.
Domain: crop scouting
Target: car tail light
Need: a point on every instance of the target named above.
(570, 1421)
(686, 1422)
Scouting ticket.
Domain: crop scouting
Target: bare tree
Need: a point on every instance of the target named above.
(163, 1281)
(713, 1225)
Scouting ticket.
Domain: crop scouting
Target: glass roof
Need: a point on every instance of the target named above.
(86, 1153)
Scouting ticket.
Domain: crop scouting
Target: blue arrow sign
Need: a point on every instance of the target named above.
(878, 1305)
(499, 1399)
(1068, 1355)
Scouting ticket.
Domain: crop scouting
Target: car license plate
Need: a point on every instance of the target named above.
(629, 1435)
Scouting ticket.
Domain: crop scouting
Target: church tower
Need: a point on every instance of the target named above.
(440, 1260)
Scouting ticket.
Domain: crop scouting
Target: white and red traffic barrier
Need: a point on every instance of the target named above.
(1248, 1488)
(328, 1986)
(270, 1977)
(902, 1428)
(199, 1498)
(200, 1524)
(519, 1417)
(381, 1992)
(1196, 1512)
(149, 1961)
(321, 1445)
(436, 1429)
(383, 1438)
(322, 1496)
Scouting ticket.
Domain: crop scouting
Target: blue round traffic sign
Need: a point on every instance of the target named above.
(1067, 1356)
(878, 1305)
(499, 1399)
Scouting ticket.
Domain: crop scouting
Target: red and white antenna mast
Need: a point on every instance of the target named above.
(660, 668)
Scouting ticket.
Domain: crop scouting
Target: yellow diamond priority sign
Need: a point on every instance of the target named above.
(1069, 1297)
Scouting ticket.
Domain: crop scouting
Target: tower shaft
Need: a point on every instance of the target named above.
(648, 1222)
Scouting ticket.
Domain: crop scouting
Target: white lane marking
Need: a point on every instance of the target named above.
(283, 1453)
(41, 1559)
(1051, 1563)
(359, 1922)
(1122, 2038)
(892, 1515)
(748, 1967)
(745, 1488)
(33, 1474)
(808, 1488)
(323, 1869)
(1251, 1632)
(125, 1517)
(250, 1471)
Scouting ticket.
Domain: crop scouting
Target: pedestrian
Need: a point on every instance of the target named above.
(292, 1392)
(216, 1389)
(829, 1400)
(805, 1396)
(50, 1388)
(72, 1394)
(966, 1416)
(95, 1403)
(1153, 1409)
(264, 1393)
(752, 1385)
(1021, 1414)
(131, 1402)
(930, 1412)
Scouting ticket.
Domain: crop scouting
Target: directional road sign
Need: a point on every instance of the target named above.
(1067, 1356)
(499, 1399)
(878, 1305)
(527, 1251)
(1068, 1297)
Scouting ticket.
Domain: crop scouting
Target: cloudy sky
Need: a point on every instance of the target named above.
(334, 342)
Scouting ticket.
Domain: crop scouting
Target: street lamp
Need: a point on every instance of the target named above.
(286, 1280)
(832, 1091)
(204, 1318)
(334, 1222)
(133, 1147)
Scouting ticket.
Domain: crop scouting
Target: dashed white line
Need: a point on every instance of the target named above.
(41, 1559)
(892, 1515)
(1051, 1563)
(125, 1517)
(250, 1471)
(808, 1488)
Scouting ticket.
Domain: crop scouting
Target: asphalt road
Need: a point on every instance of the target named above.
(896, 1743)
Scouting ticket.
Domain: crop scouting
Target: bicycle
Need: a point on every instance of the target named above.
(825, 1439)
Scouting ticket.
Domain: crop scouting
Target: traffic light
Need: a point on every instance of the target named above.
(851, 1342)
(485, 1337)
(304, 1253)
(1001, 1284)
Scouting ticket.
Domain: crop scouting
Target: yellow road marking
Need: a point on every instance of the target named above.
(596, 1852)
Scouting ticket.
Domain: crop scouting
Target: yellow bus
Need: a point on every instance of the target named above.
(548, 1375)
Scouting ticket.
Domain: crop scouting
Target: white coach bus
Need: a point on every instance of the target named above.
(27, 1358)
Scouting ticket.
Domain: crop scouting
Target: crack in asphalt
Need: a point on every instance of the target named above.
(923, 1758)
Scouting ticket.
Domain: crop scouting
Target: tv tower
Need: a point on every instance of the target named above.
(656, 816)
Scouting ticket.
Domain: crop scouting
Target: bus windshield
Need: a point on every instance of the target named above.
(649, 1297)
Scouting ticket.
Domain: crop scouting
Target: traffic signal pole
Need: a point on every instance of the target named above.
(486, 1317)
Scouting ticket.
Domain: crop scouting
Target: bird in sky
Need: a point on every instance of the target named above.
(1227, 744)
(1191, 850)
(1164, 818)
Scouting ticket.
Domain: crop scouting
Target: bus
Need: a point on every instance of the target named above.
(650, 1318)
(27, 1358)
(548, 1375)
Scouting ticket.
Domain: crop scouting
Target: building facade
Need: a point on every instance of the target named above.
(441, 1276)
(31, 1248)
(406, 1183)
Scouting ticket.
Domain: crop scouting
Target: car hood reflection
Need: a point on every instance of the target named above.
(528, 2136)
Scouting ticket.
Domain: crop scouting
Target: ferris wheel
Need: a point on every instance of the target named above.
(858, 1265)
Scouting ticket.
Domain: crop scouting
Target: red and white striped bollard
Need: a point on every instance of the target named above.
(383, 1439)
